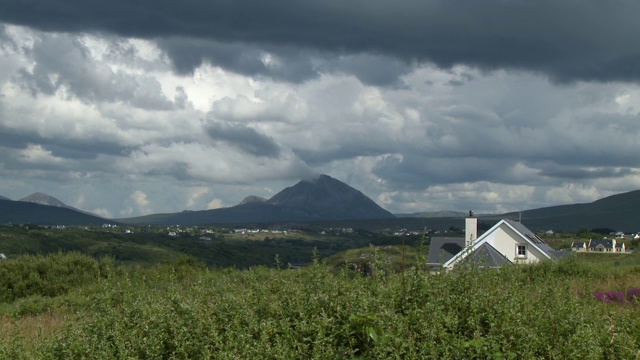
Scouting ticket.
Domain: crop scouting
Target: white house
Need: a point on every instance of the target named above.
(507, 242)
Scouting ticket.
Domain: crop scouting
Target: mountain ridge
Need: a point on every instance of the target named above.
(319, 199)
(310, 200)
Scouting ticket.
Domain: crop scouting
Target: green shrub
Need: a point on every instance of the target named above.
(50, 275)
(182, 310)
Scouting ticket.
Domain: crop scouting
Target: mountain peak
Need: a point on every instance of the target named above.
(327, 198)
(43, 199)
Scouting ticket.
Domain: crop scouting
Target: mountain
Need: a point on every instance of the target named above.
(321, 199)
(24, 212)
(4, 198)
(328, 198)
(44, 199)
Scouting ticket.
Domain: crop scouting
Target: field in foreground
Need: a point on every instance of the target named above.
(70, 306)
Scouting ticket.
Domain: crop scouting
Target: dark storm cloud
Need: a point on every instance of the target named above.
(179, 171)
(64, 148)
(288, 64)
(455, 83)
(577, 173)
(568, 40)
(414, 172)
(244, 138)
(349, 150)
(371, 69)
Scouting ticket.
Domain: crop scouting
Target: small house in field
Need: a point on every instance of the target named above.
(3, 257)
(606, 246)
(579, 246)
(602, 245)
(507, 242)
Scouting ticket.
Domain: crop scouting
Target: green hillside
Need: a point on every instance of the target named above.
(20, 212)
(620, 212)
(222, 248)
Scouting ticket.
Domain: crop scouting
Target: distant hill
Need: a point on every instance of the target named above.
(4, 198)
(320, 199)
(434, 214)
(23, 212)
(620, 212)
(45, 199)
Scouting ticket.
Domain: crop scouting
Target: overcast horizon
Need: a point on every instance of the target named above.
(124, 109)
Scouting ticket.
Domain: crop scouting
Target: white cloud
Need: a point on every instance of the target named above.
(140, 200)
(195, 195)
(36, 154)
(215, 204)
(103, 213)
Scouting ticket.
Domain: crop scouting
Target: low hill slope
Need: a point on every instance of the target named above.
(620, 212)
(21, 212)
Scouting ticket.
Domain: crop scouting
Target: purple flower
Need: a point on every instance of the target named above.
(621, 297)
(633, 294)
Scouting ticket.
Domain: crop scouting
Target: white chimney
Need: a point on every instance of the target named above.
(470, 229)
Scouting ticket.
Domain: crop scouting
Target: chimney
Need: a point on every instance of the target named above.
(470, 229)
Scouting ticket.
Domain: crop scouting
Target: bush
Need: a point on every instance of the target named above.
(183, 311)
(51, 275)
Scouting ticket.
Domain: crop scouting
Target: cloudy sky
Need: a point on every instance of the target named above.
(127, 107)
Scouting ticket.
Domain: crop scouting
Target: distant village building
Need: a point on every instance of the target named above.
(578, 246)
(3, 257)
(607, 246)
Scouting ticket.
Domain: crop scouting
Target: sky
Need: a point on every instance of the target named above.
(125, 108)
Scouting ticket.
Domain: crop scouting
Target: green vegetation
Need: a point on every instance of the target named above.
(218, 247)
(68, 306)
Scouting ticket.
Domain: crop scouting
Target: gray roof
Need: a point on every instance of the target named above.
(543, 246)
(607, 244)
(442, 249)
(487, 256)
(578, 244)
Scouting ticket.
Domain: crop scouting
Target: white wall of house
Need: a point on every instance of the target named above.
(505, 240)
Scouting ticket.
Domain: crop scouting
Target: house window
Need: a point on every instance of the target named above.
(521, 251)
